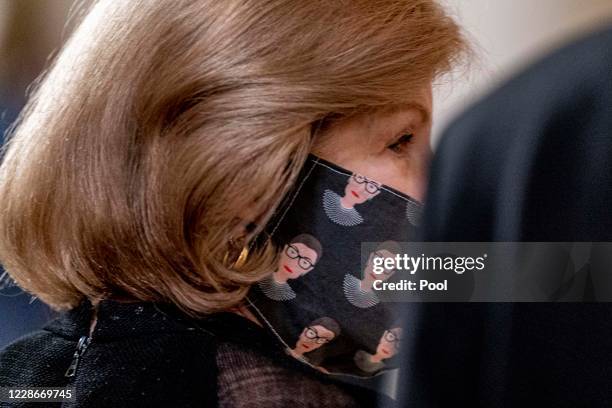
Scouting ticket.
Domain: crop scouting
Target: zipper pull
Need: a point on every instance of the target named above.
(81, 347)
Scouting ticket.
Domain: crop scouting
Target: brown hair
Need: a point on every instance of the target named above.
(329, 323)
(161, 121)
(390, 246)
(310, 241)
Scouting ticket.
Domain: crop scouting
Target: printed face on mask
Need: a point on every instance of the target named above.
(389, 344)
(359, 189)
(360, 293)
(388, 347)
(369, 276)
(317, 334)
(297, 258)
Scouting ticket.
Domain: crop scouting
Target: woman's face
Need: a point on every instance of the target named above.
(296, 260)
(391, 148)
(370, 276)
(360, 189)
(313, 337)
(389, 343)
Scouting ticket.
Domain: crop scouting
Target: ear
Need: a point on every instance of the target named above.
(374, 195)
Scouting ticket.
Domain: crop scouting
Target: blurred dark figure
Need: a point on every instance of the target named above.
(531, 162)
(32, 30)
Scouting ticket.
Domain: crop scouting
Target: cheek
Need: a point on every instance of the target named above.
(371, 196)
(352, 185)
(407, 174)
(389, 275)
(363, 197)
(359, 189)
(283, 260)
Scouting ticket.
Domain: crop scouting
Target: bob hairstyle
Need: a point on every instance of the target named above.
(329, 323)
(160, 124)
(310, 242)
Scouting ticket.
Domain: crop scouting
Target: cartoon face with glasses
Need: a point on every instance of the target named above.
(297, 258)
(388, 346)
(359, 292)
(388, 249)
(358, 190)
(318, 333)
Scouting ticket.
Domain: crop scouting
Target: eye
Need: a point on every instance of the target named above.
(400, 143)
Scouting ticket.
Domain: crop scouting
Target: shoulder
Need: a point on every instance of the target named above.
(521, 148)
(165, 369)
(157, 358)
(27, 360)
(136, 356)
(172, 368)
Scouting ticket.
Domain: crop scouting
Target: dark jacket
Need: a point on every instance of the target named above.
(531, 162)
(139, 355)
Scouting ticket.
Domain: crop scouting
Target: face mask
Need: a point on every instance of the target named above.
(320, 300)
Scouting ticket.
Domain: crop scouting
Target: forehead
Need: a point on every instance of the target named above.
(421, 108)
(304, 249)
(323, 331)
(397, 331)
(361, 176)
(390, 118)
(385, 120)
(384, 253)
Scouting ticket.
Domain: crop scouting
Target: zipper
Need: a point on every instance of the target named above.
(78, 353)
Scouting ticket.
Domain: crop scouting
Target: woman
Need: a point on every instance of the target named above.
(298, 257)
(159, 144)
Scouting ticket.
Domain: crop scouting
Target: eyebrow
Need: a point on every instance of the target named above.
(424, 112)
(393, 113)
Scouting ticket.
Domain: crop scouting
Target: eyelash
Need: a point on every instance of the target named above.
(402, 141)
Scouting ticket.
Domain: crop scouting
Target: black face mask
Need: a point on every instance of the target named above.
(319, 301)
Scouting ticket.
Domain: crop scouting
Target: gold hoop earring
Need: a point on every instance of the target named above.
(244, 253)
(242, 257)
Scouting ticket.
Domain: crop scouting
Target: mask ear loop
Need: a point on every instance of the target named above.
(316, 127)
(268, 237)
(242, 257)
